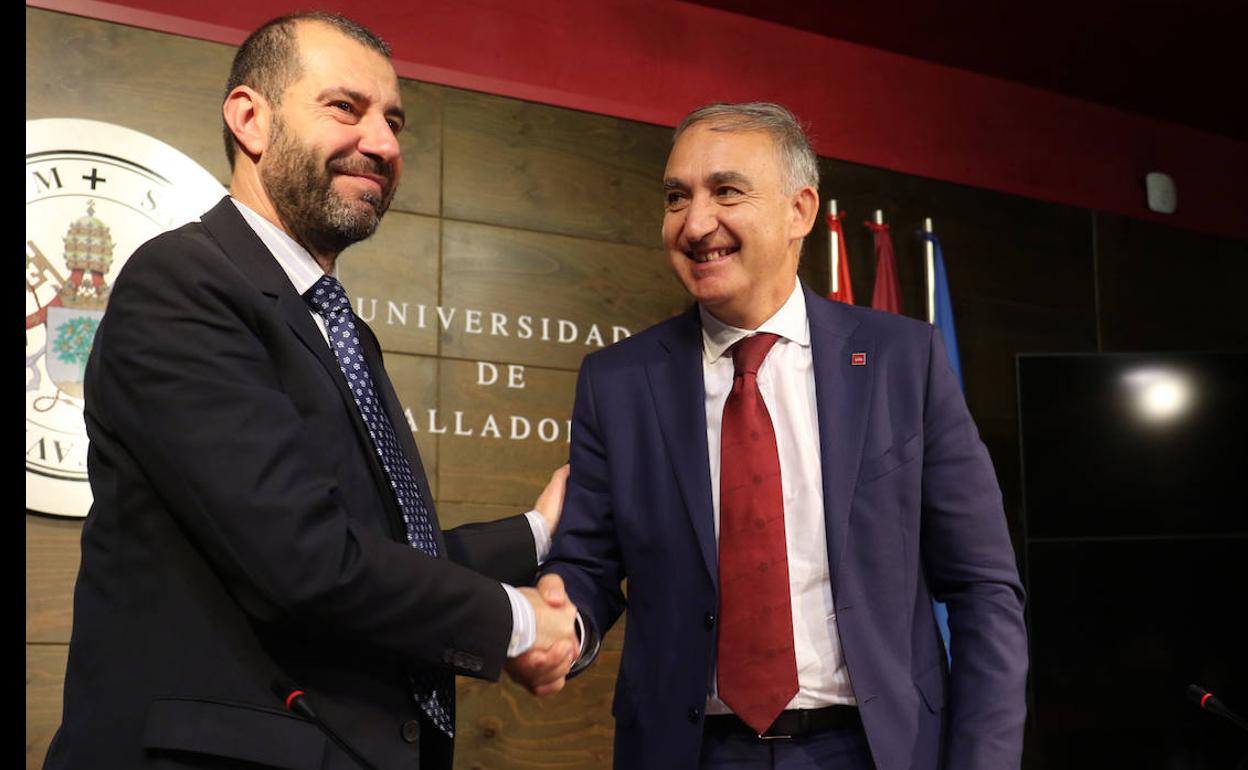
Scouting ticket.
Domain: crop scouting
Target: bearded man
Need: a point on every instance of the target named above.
(263, 539)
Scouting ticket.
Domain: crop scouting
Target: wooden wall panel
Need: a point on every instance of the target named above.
(165, 86)
(45, 678)
(420, 187)
(502, 727)
(52, 556)
(535, 167)
(391, 277)
(509, 459)
(560, 288)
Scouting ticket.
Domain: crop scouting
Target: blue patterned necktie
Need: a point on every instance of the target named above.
(328, 298)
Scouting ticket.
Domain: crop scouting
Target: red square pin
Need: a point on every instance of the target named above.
(858, 359)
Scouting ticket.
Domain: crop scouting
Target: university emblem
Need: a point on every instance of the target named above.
(94, 192)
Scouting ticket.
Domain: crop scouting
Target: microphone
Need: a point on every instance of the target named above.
(1209, 702)
(294, 699)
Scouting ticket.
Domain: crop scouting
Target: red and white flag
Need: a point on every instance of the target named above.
(841, 289)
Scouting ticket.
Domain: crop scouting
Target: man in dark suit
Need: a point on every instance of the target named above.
(786, 483)
(263, 539)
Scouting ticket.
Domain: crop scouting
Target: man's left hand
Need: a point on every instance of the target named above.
(550, 502)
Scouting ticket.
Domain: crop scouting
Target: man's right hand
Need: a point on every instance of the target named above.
(544, 668)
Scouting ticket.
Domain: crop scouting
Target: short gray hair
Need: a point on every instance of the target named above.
(801, 167)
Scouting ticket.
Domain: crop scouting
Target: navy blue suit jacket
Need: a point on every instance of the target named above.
(912, 511)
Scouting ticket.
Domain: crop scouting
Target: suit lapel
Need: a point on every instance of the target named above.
(245, 249)
(252, 257)
(842, 394)
(680, 401)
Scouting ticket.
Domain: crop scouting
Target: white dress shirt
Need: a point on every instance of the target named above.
(787, 382)
(303, 272)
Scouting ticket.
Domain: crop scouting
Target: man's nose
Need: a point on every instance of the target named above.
(378, 139)
(701, 218)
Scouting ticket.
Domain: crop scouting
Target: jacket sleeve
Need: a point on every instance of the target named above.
(585, 550)
(970, 566)
(503, 550)
(190, 388)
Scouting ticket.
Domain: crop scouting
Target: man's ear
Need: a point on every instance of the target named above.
(249, 117)
(804, 209)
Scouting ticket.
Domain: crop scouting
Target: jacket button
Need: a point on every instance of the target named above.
(411, 731)
(708, 620)
(695, 714)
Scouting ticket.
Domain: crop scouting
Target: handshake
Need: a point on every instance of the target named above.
(543, 669)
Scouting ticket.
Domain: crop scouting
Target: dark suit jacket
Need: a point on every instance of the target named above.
(243, 531)
(912, 511)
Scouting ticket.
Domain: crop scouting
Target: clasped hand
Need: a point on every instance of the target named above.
(543, 670)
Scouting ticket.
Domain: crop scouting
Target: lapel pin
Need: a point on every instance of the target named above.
(858, 359)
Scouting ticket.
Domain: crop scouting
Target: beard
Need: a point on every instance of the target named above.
(301, 187)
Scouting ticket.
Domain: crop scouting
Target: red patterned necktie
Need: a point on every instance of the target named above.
(756, 661)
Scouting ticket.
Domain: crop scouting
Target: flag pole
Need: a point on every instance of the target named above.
(929, 253)
(834, 250)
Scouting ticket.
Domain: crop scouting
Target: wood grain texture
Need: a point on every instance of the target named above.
(52, 556)
(502, 727)
(391, 276)
(420, 187)
(561, 288)
(534, 167)
(45, 681)
(511, 464)
(165, 86)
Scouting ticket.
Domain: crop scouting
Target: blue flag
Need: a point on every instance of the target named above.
(944, 308)
(943, 320)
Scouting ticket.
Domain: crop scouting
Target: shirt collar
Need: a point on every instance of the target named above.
(294, 259)
(788, 322)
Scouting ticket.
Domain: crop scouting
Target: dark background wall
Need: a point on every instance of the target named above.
(654, 60)
(516, 207)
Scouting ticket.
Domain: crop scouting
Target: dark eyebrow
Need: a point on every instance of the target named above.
(335, 91)
(672, 183)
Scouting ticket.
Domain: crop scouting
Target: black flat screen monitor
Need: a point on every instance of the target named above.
(1135, 519)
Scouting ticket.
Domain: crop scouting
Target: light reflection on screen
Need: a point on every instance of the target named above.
(1159, 396)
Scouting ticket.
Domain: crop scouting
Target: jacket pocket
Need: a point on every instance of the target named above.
(896, 456)
(235, 731)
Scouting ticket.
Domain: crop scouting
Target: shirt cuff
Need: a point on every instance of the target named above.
(523, 623)
(541, 535)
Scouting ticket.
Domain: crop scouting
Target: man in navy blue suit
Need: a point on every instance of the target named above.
(786, 483)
